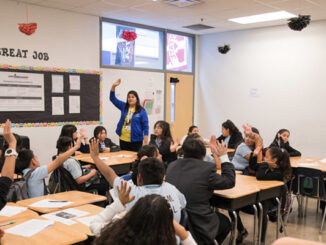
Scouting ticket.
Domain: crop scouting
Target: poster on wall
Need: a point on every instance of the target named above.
(21, 91)
(125, 55)
(176, 52)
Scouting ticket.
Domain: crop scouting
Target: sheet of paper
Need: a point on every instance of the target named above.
(9, 211)
(323, 160)
(86, 220)
(74, 81)
(30, 228)
(57, 83)
(65, 216)
(74, 104)
(48, 203)
(59, 219)
(125, 156)
(308, 164)
(21, 91)
(57, 106)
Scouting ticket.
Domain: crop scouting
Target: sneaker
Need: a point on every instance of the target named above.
(241, 236)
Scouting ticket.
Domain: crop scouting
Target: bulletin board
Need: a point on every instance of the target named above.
(41, 97)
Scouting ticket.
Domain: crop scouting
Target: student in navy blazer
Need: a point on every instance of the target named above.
(133, 126)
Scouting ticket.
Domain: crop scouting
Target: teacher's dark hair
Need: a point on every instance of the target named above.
(149, 221)
(138, 106)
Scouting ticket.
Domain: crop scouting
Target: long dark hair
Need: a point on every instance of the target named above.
(283, 161)
(138, 106)
(68, 130)
(281, 131)
(146, 150)
(228, 124)
(166, 132)
(149, 221)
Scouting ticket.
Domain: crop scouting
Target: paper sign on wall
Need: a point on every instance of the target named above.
(74, 104)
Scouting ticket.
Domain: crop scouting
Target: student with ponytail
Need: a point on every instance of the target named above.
(275, 166)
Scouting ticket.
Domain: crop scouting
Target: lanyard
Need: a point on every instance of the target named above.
(129, 116)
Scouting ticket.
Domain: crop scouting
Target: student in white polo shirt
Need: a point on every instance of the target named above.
(149, 180)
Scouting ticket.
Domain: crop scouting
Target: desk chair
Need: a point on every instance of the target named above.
(311, 184)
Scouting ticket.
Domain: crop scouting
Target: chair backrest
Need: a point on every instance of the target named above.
(184, 221)
(61, 180)
(310, 182)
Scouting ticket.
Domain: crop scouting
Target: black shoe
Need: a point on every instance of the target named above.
(241, 236)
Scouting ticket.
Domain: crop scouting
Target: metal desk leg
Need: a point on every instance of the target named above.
(234, 229)
(278, 216)
(255, 223)
(260, 222)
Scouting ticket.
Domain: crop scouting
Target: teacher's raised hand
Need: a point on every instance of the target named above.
(115, 84)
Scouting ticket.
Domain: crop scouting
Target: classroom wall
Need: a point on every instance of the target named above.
(272, 78)
(72, 41)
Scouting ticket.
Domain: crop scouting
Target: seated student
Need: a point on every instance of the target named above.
(7, 172)
(106, 145)
(163, 140)
(275, 166)
(149, 221)
(149, 181)
(281, 140)
(243, 151)
(197, 180)
(230, 135)
(192, 130)
(144, 152)
(71, 131)
(27, 162)
(81, 176)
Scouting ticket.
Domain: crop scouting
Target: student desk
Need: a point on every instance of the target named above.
(243, 194)
(92, 210)
(120, 161)
(247, 191)
(308, 162)
(58, 234)
(25, 214)
(77, 197)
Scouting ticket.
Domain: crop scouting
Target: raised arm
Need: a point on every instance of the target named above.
(9, 164)
(64, 156)
(118, 103)
(227, 179)
(105, 170)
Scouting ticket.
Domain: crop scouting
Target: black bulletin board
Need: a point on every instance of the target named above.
(90, 107)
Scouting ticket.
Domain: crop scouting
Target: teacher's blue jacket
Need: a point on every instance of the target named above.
(139, 121)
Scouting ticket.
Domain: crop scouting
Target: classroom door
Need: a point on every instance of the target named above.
(179, 103)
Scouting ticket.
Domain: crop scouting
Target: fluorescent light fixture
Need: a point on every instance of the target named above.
(263, 17)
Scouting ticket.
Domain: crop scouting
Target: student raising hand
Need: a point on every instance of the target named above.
(7, 134)
(124, 193)
(94, 148)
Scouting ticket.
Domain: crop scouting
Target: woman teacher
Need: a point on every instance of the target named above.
(133, 126)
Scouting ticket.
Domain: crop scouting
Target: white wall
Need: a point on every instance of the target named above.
(72, 41)
(288, 70)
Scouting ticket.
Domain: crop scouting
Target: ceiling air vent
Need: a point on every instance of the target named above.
(198, 27)
(182, 3)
